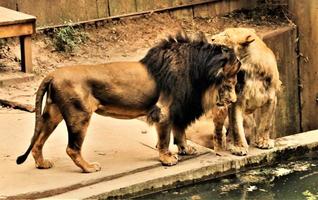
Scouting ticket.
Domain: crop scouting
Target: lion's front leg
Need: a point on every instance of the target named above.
(219, 137)
(262, 139)
(181, 141)
(165, 156)
(239, 144)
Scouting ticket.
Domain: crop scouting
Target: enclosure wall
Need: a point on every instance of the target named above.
(58, 12)
(306, 17)
(283, 42)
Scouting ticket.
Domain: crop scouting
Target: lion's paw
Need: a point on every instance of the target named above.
(219, 147)
(187, 150)
(168, 159)
(239, 151)
(265, 144)
(45, 164)
(92, 167)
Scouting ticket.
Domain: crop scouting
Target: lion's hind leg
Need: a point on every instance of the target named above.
(77, 121)
(49, 120)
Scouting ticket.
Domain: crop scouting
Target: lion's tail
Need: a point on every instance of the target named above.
(38, 112)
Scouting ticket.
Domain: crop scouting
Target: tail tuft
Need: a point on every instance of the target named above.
(21, 159)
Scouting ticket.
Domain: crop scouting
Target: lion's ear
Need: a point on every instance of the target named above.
(248, 40)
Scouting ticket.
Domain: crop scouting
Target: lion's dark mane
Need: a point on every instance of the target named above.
(184, 69)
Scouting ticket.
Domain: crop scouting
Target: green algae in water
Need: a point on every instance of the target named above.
(290, 180)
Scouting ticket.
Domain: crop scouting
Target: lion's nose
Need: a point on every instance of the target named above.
(233, 99)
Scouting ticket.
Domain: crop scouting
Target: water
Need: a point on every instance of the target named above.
(290, 180)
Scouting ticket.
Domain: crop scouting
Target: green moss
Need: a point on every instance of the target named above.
(67, 38)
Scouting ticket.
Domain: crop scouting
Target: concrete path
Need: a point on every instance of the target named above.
(121, 147)
(126, 151)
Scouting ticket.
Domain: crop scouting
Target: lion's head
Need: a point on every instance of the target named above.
(255, 56)
(234, 36)
(237, 38)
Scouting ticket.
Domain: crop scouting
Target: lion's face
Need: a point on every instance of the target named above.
(234, 36)
(237, 38)
(226, 94)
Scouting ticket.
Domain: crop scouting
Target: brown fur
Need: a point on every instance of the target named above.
(258, 84)
(75, 93)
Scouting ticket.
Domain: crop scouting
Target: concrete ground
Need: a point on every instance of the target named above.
(126, 151)
(9, 78)
(120, 146)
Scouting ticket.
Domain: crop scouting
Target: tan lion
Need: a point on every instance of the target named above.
(257, 87)
(169, 85)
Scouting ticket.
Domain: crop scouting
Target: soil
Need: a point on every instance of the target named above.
(124, 39)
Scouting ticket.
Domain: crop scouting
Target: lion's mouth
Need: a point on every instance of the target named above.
(225, 103)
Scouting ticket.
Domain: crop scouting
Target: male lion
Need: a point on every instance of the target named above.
(257, 87)
(175, 75)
